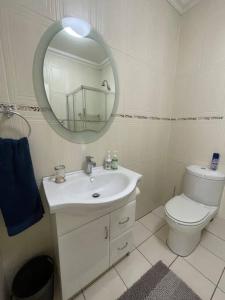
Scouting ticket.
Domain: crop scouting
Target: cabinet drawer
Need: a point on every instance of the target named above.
(122, 219)
(120, 246)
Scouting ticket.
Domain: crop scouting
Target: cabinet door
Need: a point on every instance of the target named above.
(84, 255)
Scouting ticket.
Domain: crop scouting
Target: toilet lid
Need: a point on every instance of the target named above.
(185, 210)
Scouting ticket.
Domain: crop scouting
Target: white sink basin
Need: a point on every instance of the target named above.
(80, 191)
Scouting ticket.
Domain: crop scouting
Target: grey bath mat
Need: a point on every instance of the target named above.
(159, 283)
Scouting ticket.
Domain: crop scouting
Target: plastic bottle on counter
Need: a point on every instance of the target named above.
(114, 164)
(108, 161)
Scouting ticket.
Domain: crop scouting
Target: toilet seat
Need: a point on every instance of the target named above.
(184, 210)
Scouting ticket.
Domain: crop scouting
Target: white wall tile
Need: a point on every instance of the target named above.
(3, 85)
(192, 34)
(20, 30)
(2, 281)
(112, 22)
(199, 87)
(141, 87)
(163, 34)
(76, 8)
(139, 17)
(199, 90)
(209, 84)
(43, 7)
(195, 141)
(20, 248)
(214, 41)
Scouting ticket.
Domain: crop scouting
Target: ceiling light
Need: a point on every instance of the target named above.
(76, 27)
(70, 31)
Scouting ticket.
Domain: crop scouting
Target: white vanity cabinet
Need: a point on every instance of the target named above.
(91, 233)
(83, 255)
(87, 246)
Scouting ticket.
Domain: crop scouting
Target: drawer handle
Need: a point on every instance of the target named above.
(125, 221)
(106, 233)
(121, 248)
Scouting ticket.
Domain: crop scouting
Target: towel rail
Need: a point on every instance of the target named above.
(9, 112)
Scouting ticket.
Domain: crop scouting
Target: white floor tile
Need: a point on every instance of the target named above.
(195, 280)
(213, 244)
(58, 297)
(79, 297)
(222, 283)
(162, 234)
(159, 211)
(109, 287)
(217, 227)
(219, 295)
(132, 267)
(154, 250)
(140, 233)
(207, 263)
(152, 222)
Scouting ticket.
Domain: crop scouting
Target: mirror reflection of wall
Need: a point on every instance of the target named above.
(79, 82)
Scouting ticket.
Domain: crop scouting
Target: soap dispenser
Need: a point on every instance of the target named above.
(114, 164)
(108, 161)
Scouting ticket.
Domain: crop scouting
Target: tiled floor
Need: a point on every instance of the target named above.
(203, 270)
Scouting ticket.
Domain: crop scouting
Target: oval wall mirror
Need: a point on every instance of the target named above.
(75, 80)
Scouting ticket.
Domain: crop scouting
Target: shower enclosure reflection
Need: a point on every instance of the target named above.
(88, 108)
(79, 82)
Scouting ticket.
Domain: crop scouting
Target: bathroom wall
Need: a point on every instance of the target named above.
(2, 280)
(199, 103)
(143, 36)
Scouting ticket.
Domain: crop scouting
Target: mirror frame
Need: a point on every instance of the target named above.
(83, 137)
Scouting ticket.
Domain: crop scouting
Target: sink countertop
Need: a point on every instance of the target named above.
(78, 189)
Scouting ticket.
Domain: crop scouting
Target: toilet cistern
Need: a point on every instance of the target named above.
(89, 164)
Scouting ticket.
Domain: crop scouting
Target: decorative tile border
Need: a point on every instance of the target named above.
(168, 119)
(20, 107)
(186, 119)
(211, 118)
(142, 117)
(206, 118)
(33, 108)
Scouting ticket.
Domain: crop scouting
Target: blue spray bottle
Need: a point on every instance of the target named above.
(215, 161)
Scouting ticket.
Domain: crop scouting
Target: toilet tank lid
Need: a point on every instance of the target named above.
(205, 172)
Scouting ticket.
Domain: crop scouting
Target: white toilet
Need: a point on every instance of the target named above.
(190, 212)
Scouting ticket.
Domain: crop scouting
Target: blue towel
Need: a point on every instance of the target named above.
(20, 200)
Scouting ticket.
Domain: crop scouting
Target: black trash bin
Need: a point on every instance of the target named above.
(35, 280)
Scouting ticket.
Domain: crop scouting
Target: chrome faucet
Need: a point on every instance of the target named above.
(89, 165)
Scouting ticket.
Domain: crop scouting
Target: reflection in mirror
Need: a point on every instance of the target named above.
(79, 82)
